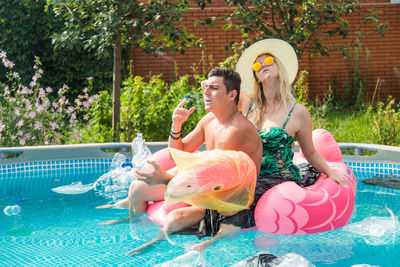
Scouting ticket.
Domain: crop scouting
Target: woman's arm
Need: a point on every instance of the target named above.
(304, 138)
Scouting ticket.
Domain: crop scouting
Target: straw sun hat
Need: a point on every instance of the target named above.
(277, 48)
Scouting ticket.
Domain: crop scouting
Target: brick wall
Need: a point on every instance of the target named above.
(384, 57)
(384, 52)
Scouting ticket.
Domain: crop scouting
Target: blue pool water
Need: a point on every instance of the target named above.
(62, 230)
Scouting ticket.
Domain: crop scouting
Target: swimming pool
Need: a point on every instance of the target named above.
(62, 230)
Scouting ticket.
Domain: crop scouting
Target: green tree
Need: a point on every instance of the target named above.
(152, 25)
(26, 28)
(306, 25)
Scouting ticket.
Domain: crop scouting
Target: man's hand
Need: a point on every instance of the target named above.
(180, 115)
(154, 177)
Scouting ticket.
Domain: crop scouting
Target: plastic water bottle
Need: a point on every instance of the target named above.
(12, 210)
(140, 152)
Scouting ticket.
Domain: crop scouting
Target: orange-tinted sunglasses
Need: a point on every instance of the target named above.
(268, 61)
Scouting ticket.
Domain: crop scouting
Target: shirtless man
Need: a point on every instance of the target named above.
(223, 127)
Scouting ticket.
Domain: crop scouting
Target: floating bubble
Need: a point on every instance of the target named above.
(12, 210)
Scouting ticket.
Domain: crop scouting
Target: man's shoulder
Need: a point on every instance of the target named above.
(243, 124)
(244, 137)
(209, 116)
(207, 119)
(243, 130)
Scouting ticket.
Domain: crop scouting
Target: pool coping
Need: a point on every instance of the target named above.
(385, 154)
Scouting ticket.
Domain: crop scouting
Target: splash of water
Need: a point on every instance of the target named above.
(375, 230)
(115, 183)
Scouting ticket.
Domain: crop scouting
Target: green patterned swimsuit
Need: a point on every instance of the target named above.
(277, 164)
(278, 152)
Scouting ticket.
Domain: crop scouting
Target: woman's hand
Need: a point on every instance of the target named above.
(337, 178)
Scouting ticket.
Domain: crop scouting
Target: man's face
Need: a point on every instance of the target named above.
(214, 93)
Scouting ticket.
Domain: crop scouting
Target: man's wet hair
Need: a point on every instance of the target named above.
(232, 79)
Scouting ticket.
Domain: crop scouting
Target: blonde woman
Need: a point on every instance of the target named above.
(267, 69)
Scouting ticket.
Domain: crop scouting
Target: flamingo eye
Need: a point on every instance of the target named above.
(218, 187)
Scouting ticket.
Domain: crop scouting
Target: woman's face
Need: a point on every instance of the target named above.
(268, 69)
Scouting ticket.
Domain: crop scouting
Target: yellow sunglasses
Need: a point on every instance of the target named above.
(268, 61)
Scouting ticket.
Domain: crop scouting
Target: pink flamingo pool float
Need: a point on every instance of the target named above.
(288, 209)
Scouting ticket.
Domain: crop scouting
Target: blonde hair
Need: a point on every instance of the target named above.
(285, 95)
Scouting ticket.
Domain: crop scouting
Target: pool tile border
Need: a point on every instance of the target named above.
(27, 178)
(378, 168)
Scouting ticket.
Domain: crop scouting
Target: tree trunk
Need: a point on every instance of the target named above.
(116, 88)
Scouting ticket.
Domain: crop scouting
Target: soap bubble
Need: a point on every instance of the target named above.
(12, 210)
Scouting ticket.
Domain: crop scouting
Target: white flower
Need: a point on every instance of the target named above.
(20, 123)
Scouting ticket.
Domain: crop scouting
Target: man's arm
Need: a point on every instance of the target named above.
(179, 116)
(189, 144)
(194, 139)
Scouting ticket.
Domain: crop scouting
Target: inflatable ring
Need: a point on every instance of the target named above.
(290, 209)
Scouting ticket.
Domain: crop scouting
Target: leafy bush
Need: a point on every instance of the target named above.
(29, 117)
(146, 107)
(386, 125)
(322, 107)
(300, 89)
(99, 127)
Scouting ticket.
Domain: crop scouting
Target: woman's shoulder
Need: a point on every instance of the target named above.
(300, 110)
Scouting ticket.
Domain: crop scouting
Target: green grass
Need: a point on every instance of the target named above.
(348, 126)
